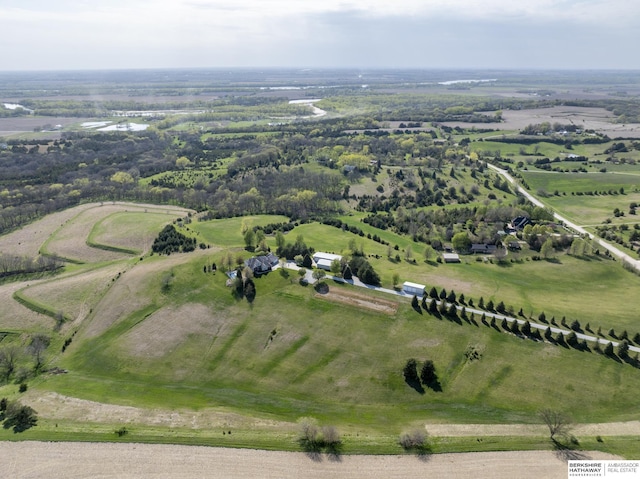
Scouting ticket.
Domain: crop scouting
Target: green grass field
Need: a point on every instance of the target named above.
(291, 353)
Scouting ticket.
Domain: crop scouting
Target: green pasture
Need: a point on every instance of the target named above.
(228, 232)
(590, 289)
(586, 208)
(119, 231)
(580, 182)
(338, 363)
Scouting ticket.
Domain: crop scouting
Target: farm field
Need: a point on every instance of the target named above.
(187, 462)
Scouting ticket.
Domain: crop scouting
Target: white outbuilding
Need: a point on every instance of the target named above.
(413, 288)
(324, 260)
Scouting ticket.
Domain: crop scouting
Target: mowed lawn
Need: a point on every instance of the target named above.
(291, 353)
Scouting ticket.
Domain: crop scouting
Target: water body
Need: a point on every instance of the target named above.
(15, 106)
(454, 82)
(316, 111)
(125, 127)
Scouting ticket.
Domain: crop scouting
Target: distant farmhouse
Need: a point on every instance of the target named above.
(261, 264)
(324, 260)
(482, 248)
(518, 224)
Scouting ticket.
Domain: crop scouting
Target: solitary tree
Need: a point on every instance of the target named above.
(308, 438)
(318, 274)
(414, 440)
(8, 359)
(559, 423)
(19, 417)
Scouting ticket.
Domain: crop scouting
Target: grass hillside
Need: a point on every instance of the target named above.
(160, 333)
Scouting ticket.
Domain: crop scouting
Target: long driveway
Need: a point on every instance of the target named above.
(569, 224)
(499, 317)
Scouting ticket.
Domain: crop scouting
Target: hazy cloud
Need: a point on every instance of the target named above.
(412, 33)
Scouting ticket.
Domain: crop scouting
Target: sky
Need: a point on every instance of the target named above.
(477, 34)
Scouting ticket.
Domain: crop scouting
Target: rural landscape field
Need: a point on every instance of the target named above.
(138, 215)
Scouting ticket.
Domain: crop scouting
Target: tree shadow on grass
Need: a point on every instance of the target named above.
(415, 384)
(334, 452)
(568, 452)
(435, 385)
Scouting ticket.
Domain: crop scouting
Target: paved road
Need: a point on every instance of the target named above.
(577, 228)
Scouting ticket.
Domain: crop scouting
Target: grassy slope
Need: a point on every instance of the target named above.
(330, 361)
(341, 364)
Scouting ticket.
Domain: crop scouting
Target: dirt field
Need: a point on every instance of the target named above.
(63, 460)
(28, 240)
(360, 301)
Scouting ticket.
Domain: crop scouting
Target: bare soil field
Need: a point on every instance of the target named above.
(28, 240)
(360, 301)
(597, 119)
(14, 126)
(123, 461)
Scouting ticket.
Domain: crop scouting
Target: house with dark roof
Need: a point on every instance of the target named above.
(261, 264)
(483, 248)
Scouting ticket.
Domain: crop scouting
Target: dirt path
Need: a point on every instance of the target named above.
(123, 461)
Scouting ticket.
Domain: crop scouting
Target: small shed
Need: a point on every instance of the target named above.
(413, 288)
(450, 257)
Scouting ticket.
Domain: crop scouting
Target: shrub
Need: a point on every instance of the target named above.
(414, 440)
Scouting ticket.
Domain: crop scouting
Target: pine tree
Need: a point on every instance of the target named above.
(428, 372)
(608, 349)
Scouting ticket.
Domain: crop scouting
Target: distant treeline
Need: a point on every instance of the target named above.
(11, 265)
